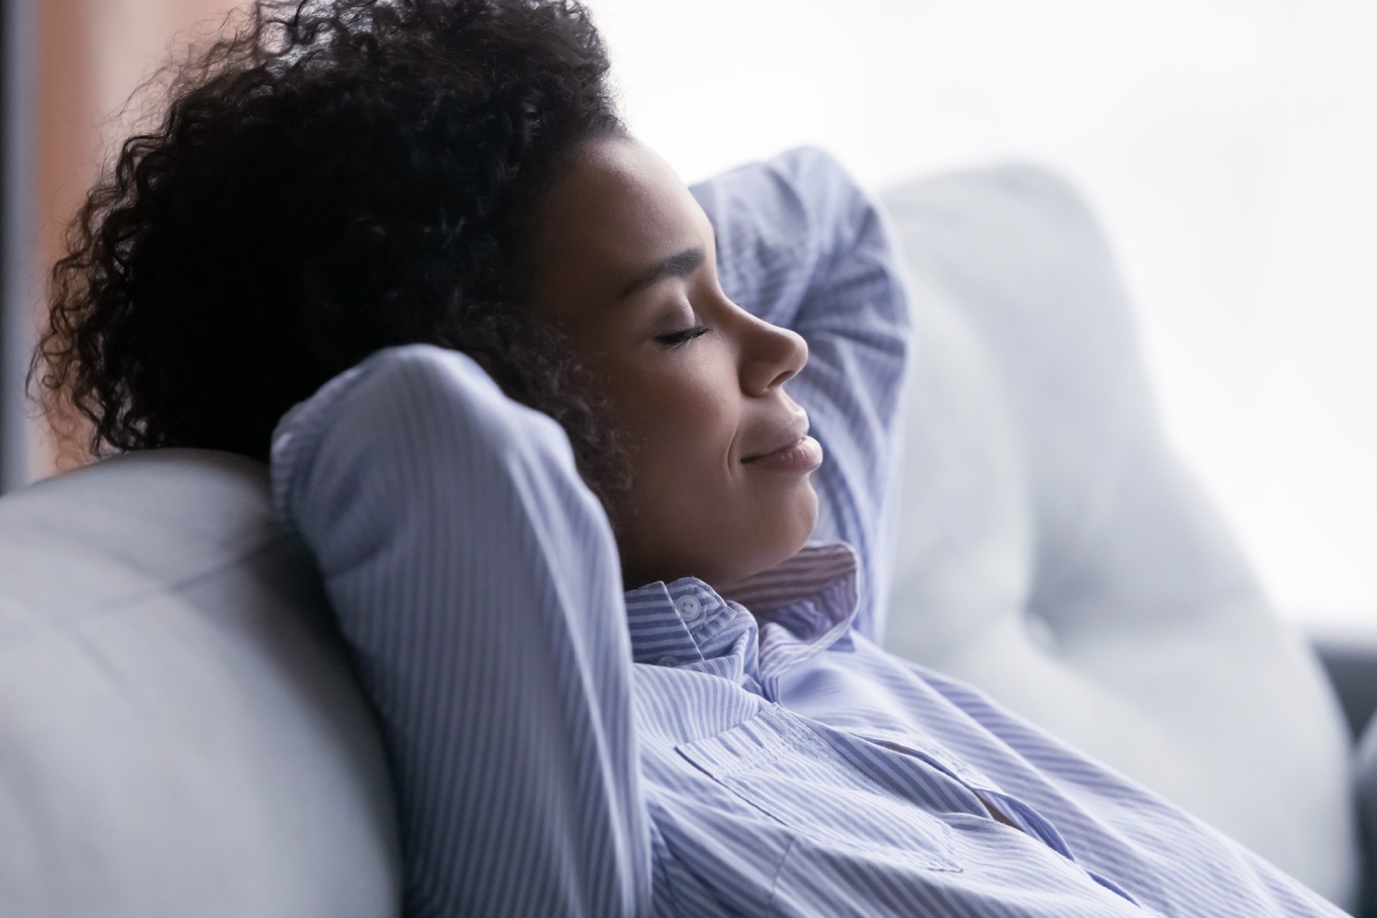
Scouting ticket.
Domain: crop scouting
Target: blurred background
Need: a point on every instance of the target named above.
(1229, 147)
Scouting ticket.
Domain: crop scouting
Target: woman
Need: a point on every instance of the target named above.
(422, 223)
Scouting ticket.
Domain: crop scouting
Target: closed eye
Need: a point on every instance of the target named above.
(679, 338)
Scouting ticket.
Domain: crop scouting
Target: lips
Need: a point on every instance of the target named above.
(790, 450)
(803, 455)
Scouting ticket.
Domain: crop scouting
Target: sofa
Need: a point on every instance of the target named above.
(1054, 552)
(181, 734)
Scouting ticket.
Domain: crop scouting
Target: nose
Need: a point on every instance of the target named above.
(770, 355)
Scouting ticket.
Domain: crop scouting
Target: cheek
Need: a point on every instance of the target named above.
(692, 507)
(683, 434)
(681, 423)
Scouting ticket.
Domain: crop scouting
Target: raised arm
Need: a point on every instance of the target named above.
(476, 580)
(801, 245)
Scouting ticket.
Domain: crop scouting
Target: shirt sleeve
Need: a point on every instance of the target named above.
(476, 580)
(800, 245)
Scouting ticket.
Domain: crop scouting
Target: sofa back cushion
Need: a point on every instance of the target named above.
(179, 731)
(1053, 552)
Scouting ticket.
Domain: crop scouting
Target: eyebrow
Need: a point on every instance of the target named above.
(680, 265)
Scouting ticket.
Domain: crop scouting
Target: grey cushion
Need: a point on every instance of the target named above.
(179, 734)
(1053, 551)
(1366, 782)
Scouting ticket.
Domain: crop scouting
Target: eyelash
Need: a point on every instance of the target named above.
(680, 338)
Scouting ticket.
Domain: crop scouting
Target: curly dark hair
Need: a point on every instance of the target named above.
(330, 178)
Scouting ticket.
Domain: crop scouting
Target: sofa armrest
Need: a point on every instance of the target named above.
(1350, 661)
(1365, 789)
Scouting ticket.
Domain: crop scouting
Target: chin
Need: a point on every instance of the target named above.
(784, 540)
(717, 548)
(807, 517)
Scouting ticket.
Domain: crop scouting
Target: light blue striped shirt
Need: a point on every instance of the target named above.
(560, 748)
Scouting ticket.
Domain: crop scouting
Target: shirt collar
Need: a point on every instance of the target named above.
(797, 609)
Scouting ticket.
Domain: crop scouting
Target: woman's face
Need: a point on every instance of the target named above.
(625, 266)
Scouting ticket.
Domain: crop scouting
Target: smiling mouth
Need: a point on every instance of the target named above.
(801, 455)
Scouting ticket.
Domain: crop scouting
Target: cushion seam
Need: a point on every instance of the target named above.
(116, 603)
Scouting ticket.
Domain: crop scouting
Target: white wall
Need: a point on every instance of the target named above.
(1229, 145)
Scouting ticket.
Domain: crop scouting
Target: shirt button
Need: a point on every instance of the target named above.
(668, 659)
(689, 607)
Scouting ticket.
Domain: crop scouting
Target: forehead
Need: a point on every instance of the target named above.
(618, 209)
